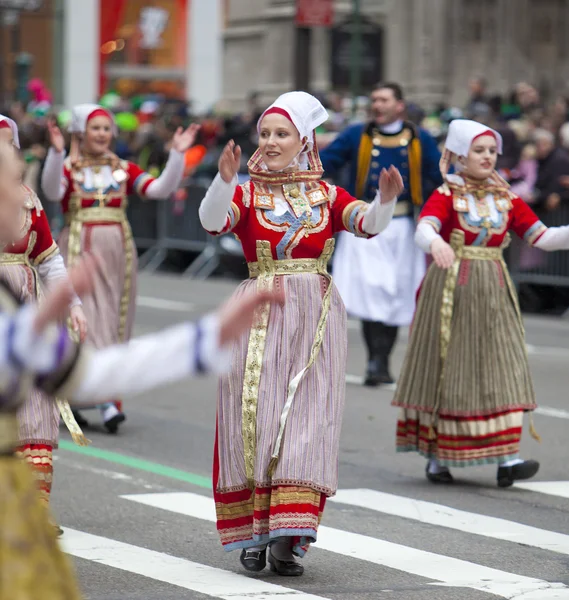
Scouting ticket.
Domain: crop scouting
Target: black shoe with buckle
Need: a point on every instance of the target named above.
(286, 568)
(442, 477)
(254, 560)
(523, 470)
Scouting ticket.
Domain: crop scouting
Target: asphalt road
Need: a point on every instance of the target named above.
(138, 513)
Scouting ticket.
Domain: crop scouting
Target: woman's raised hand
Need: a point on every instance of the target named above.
(229, 162)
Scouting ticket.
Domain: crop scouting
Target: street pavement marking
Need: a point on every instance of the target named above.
(175, 571)
(551, 488)
(163, 304)
(547, 411)
(460, 520)
(444, 570)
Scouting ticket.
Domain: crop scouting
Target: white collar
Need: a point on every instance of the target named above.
(394, 127)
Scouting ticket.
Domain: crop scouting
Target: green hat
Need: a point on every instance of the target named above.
(126, 121)
(64, 118)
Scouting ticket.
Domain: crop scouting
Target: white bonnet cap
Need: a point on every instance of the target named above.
(14, 129)
(306, 113)
(462, 132)
(80, 115)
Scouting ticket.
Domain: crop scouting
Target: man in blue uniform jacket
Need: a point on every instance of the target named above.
(378, 278)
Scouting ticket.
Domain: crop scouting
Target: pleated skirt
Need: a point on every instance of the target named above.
(467, 409)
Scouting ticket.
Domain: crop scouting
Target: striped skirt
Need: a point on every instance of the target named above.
(469, 409)
(290, 503)
(38, 417)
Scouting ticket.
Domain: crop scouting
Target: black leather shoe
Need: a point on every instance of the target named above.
(377, 373)
(112, 425)
(442, 477)
(254, 560)
(286, 568)
(523, 470)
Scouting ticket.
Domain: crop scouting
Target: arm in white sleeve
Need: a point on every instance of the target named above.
(52, 176)
(378, 216)
(554, 238)
(215, 205)
(165, 185)
(425, 235)
(52, 270)
(152, 361)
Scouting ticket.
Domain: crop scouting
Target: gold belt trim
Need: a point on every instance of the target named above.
(463, 252)
(265, 270)
(96, 214)
(8, 432)
(14, 259)
(478, 253)
(287, 267)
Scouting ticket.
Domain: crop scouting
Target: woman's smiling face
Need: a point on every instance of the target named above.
(279, 142)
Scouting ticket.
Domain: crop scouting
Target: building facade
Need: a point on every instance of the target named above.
(432, 47)
(135, 47)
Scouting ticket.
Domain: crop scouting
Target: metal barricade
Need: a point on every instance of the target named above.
(143, 219)
(534, 266)
(179, 228)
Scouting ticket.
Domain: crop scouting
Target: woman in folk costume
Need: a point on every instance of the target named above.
(465, 382)
(28, 263)
(93, 186)
(280, 409)
(35, 353)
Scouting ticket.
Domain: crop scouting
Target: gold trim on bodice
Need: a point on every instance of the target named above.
(265, 270)
(23, 258)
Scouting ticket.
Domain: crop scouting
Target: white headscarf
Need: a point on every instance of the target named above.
(14, 129)
(461, 134)
(306, 113)
(80, 116)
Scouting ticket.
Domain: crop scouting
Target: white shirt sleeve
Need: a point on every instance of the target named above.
(378, 216)
(152, 361)
(554, 238)
(215, 205)
(165, 185)
(424, 236)
(52, 270)
(52, 182)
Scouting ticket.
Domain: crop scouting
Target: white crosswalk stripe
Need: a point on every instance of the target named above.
(551, 488)
(436, 569)
(445, 570)
(460, 520)
(175, 571)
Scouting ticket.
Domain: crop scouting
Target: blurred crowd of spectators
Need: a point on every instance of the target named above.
(535, 132)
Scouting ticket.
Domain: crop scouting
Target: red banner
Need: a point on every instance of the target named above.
(314, 13)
